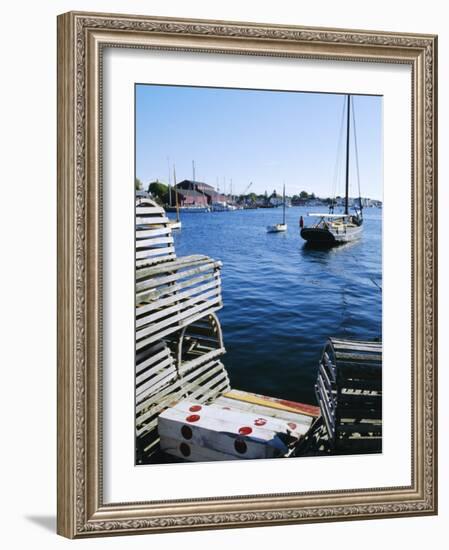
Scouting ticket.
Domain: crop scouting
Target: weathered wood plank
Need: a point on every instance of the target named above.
(153, 282)
(150, 387)
(152, 242)
(151, 220)
(304, 421)
(155, 259)
(154, 370)
(187, 366)
(176, 308)
(188, 308)
(328, 419)
(179, 263)
(153, 295)
(141, 365)
(274, 403)
(150, 233)
(150, 252)
(145, 210)
(174, 328)
(360, 357)
(176, 297)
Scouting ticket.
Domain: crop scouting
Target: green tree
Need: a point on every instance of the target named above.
(159, 191)
(304, 195)
(139, 184)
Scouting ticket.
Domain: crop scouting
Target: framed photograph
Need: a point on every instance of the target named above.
(246, 272)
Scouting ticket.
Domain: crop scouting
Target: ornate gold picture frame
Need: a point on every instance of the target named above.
(82, 40)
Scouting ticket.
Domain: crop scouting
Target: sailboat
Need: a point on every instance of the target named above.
(175, 224)
(334, 229)
(279, 227)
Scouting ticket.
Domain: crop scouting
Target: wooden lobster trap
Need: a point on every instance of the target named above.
(349, 392)
(179, 344)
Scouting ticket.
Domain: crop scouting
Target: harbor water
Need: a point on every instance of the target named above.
(281, 299)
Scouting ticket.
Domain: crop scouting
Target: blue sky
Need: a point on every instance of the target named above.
(264, 137)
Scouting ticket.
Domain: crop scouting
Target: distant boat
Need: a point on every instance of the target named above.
(194, 209)
(334, 229)
(222, 206)
(279, 227)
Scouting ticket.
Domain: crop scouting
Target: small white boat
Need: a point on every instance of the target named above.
(279, 227)
(276, 228)
(175, 224)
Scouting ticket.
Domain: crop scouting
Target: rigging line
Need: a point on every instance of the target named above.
(374, 282)
(337, 169)
(356, 149)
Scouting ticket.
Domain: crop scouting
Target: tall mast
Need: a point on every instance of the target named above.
(176, 193)
(347, 157)
(169, 182)
(283, 220)
(193, 169)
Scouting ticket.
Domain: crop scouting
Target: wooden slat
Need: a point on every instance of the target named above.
(172, 329)
(187, 309)
(328, 418)
(152, 386)
(155, 259)
(274, 403)
(179, 263)
(151, 360)
(152, 242)
(155, 370)
(177, 307)
(151, 220)
(143, 210)
(187, 366)
(150, 252)
(154, 294)
(153, 282)
(304, 421)
(150, 233)
(178, 296)
(346, 356)
(172, 389)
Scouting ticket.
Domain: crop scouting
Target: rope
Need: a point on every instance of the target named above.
(337, 170)
(356, 148)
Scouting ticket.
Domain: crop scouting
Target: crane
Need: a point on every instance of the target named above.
(247, 188)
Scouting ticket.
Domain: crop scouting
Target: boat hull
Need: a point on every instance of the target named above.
(278, 228)
(319, 236)
(175, 225)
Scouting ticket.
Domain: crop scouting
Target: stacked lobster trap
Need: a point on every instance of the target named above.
(185, 407)
(349, 392)
(178, 336)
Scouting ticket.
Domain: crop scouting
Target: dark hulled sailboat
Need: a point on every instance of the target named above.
(334, 229)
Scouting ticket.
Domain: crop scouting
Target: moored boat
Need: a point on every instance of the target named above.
(279, 227)
(334, 229)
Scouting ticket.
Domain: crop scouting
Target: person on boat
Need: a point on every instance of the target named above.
(301, 222)
(331, 208)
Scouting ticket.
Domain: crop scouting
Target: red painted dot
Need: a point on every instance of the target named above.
(245, 430)
(292, 425)
(260, 422)
(187, 432)
(193, 418)
(195, 408)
